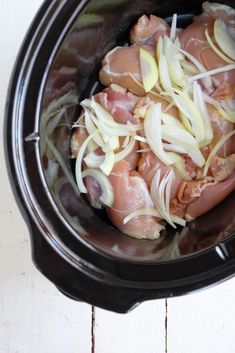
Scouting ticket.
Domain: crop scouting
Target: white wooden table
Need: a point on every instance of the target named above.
(36, 318)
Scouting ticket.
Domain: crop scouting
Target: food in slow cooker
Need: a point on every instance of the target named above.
(156, 146)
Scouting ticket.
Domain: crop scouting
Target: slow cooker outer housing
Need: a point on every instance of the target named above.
(79, 269)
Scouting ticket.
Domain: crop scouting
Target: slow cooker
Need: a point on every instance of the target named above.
(74, 245)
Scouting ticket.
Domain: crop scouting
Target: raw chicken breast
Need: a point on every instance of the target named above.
(149, 164)
(130, 194)
(119, 63)
(210, 197)
(193, 40)
(147, 30)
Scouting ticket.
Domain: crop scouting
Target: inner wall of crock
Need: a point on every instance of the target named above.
(74, 75)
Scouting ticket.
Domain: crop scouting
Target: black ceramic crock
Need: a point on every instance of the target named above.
(74, 245)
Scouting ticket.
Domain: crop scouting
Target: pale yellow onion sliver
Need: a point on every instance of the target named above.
(149, 70)
(152, 212)
(207, 81)
(216, 50)
(152, 129)
(164, 74)
(159, 48)
(223, 38)
(212, 72)
(175, 70)
(225, 114)
(108, 163)
(126, 151)
(199, 100)
(107, 194)
(173, 27)
(78, 164)
(215, 150)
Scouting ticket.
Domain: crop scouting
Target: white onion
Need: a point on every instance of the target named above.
(152, 129)
(173, 27)
(216, 50)
(78, 165)
(107, 195)
(149, 70)
(152, 212)
(212, 72)
(223, 38)
(215, 150)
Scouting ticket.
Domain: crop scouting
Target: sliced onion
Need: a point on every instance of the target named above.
(207, 81)
(215, 150)
(164, 74)
(108, 163)
(93, 160)
(90, 126)
(191, 111)
(170, 147)
(185, 122)
(160, 194)
(225, 114)
(126, 151)
(152, 212)
(149, 70)
(140, 138)
(199, 101)
(188, 67)
(159, 48)
(107, 195)
(78, 165)
(223, 38)
(216, 50)
(152, 129)
(105, 117)
(167, 119)
(173, 27)
(212, 72)
(179, 165)
(174, 67)
(183, 139)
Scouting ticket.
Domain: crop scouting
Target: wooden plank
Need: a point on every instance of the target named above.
(202, 322)
(34, 316)
(142, 330)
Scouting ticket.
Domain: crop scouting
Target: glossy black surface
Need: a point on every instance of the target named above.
(74, 245)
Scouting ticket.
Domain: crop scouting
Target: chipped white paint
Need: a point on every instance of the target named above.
(36, 318)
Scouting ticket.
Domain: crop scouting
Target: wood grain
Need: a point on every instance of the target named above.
(202, 322)
(142, 330)
(34, 316)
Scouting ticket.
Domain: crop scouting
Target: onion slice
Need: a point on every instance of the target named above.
(212, 72)
(215, 150)
(152, 212)
(108, 163)
(216, 50)
(224, 39)
(107, 195)
(79, 159)
(152, 129)
(173, 27)
(149, 70)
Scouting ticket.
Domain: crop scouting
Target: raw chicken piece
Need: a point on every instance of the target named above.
(147, 30)
(119, 102)
(215, 10)
(210, 197)
(119, 63)
(221, 168)
(191, 190)
(149, 164)
(193, 40)
(130, 194)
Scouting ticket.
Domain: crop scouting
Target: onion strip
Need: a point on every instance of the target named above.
(215, 150)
